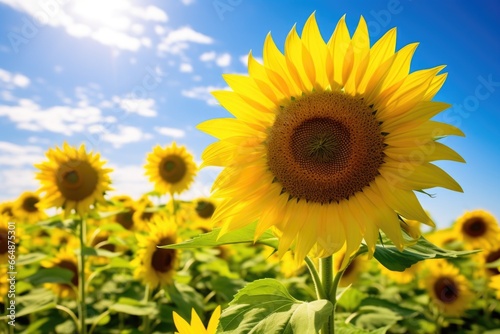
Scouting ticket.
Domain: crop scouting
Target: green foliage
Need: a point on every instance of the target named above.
(265, 306)
(394, 259)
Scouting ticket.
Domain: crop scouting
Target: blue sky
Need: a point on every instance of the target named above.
(123, 76)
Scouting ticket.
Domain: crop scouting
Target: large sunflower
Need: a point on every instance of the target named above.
(478, 229)
(448, 289)
(26, 208)
(495, 285)
(329, 142)
(171, 169)
(157, 266)
(72, 179)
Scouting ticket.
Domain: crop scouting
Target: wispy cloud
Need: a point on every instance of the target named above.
(12, 80)
(19, 155)
(66, 120)
(112, 23)
(170, 132)
(202, 93)
(221, 60)
(124, 134)
(178, 40)
(141, 107)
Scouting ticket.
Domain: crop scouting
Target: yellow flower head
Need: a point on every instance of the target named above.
(196, 326)
(402, 277)
(7, 209)
(4, 238)
(495, 285)
(26, 208)
(65, 259)
(478, 229)
(325, 139)
(443, 238)
(73, 179)
(449, 290)
(171, 169)
(157, 266)
(352, 272)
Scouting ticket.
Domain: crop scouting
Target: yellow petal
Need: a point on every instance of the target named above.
(338, 45)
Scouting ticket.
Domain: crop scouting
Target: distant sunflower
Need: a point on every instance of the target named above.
(4, 284)
(446, 238)
(26, 208)
(7, 209)
(65, 259)
(495, 285)
(328, 139)
(204, 208)
(287, 264)
(412, 227)
(448, 289)
(157, 266)
(196, 326)
(171, 169)
(478, 229)
(490, 256)
(72, 179)
(4, 238)
(351, 274)
(143, 215)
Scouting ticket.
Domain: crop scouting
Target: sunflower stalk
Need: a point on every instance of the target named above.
(147, 297)
(81, 271)
(329, 284)
(318, 286)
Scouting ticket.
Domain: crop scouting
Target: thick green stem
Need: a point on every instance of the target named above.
(326, 271)
(81, 283)
(145, 320)
(320, 291)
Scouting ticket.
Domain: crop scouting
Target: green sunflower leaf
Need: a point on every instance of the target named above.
(134, 307)
(211, 239)
(51, 275)
(394, 259)
(25, 259)
(265, 306)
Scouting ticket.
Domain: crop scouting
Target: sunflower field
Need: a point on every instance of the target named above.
(311, 226)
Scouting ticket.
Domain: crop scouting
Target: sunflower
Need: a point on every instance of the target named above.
(478, 229)
(196, 326)
(411, 227)
(495, 284)
(402, 277)
(490, 256)
(4, 238)
(449, 290)
(65, 259)
(446, 239)
(4, 283)
(171, 169)
(287, 264)
(352, 272)
(329, 141)
(157, 266)
(7, 209)
(26, 208)
(72, 179)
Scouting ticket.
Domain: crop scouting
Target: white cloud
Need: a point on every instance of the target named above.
(170, 132)
(223, 60)
(129, 180)
(202, 93)
(141, 107)
(186, 68)
(208, 56)
(187, 2)
(15, 181)
(110, 22)
(124, 135)
(244, 60)
(14, 79)
(150, 13)
(17, 155)
(66, 120)
(178, 40)
(159, 30)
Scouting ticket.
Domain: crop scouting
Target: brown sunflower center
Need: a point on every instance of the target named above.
(173, 168)
(325, 147)
(163, 260)
(70, 265)
(492, 257)
(205, 209)
(3, 241)
(446, 290)
(76, 180)
(125, 219)
(474, 227)
(29, 204)
(7, 210)
(102, 239)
